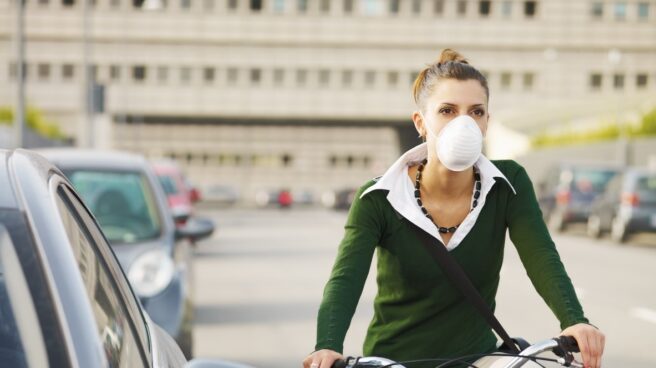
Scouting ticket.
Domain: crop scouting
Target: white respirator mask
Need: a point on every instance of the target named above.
(459, 144)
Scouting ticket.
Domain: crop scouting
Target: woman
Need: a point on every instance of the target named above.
(449, 189)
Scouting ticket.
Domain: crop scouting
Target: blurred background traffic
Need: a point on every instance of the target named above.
(266, 112)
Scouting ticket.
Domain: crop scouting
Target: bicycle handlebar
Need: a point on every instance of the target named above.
(562, 346)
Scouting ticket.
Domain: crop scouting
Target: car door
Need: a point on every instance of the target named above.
(122, 330)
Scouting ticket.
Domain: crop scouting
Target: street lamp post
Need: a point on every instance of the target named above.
(19, 116)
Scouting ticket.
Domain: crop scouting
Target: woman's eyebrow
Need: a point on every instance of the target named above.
(455, 105)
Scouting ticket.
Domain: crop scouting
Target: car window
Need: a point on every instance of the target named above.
(115, 326)
(168, 183)
(646, 187)
(28, 320)
(591, 180)
(122, 201)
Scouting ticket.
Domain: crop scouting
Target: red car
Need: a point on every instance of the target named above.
(179, 193)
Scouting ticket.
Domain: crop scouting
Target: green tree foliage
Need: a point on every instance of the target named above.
(35, 120)
(647, 127)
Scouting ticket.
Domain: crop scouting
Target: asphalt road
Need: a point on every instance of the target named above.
(258, 283)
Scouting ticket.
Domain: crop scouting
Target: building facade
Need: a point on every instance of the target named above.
(316, 94)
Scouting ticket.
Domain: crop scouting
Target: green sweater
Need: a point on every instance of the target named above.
(417, 312)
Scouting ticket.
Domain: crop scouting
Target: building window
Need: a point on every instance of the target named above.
(324, 77)
(256, 5)
(413, 76)
(232, 76)
(438, 7)
(641, 80)
(484, 8)
(324, 6)
(279, 6)
(114, 4)
(278, 76)
(620, 11)
(185, 74)
(506, 9)
(348, 6)
(618, 81)
(369, 78)
(208, 5)
(302, 6)
(528, 80)
(232, 5)
(530, 8)
(462, 7)
(68, 71)
(301, 77)
(394, 6)
(43, 2)
(347, 78)
(597, 10)
(43, 71)
(162, 74)
(256, 76)
(139, 73)
(416, 7)
(68, 2)
(373, 7)
(506, 80)
(643, 11)
(392, 78)
(209, 74)
(185, 4)
(595, 81)
(114, 72)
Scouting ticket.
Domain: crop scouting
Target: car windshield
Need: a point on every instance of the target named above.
(122, 201)
(591, 180)
(168, 183)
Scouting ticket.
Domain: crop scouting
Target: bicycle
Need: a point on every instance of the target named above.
(563, 347)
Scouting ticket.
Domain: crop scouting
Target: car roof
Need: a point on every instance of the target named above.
(109, 160)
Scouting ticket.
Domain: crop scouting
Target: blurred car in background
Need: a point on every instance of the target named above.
(628, 205)
(125, 196)
(274, 197)
(220, 195)
(568, 190)
(64, 298)
(178, 190)
(340, 199)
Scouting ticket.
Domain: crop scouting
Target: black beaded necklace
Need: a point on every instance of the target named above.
(477, 194)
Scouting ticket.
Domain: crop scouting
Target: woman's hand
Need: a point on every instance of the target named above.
(322, 359)
(591, 343)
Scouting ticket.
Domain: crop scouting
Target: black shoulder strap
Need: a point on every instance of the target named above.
(458, 277)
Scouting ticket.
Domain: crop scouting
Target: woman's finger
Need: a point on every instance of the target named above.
(594, 350)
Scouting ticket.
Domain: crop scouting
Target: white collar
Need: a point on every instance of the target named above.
(401, 192)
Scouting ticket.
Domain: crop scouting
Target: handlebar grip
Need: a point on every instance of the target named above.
(339, 363)
(568, 343)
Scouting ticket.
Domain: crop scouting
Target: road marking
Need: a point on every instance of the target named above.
(644, 314)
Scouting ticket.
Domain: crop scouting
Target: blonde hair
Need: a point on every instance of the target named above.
(449, 65)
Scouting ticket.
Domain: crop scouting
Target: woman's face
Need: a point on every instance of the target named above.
(450, 99)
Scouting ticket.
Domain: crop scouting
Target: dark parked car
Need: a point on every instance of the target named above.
(568, 190)
(64, 299)
(627, 206)
(125, 196)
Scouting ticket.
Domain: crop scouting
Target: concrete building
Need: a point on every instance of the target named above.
(316, 94)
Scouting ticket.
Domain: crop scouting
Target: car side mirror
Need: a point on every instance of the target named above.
(195, 229)
(214, 363)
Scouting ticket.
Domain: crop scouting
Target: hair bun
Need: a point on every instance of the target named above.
(451, 55)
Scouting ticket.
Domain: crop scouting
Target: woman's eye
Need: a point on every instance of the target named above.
(445, 111)
(479, 112)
